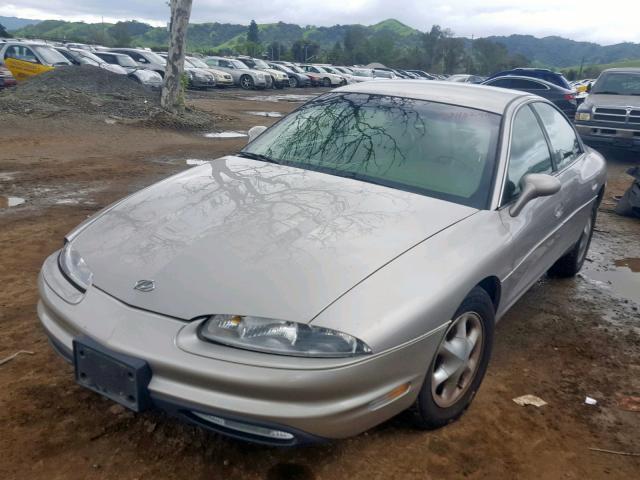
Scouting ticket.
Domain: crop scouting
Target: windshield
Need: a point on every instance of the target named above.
(237, 64)
(155, 58)
(88, 56)
(433, 149)
(363, 73)
(320, 69)
(618, 84)
(126, 61)
(296, 69)
(283, 68)
(51, 56)
(260, 63)
(196, 62)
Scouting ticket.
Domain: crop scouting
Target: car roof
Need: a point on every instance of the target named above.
(622, 70)
(489, 99)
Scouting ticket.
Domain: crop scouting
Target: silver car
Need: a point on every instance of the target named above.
(348, 264)
(243, 76)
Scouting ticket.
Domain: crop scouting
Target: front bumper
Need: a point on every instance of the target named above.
(224, 82)
(608, 135)
(310, 403)
(201, 83)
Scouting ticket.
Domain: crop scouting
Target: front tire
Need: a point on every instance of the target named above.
(571, 262)
(246, 82)
(326, 82)
(293, 82)
(459, 365)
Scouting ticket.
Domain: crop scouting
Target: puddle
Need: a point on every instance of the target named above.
(267, 114)
(195, 161)
(291, 97)
(227, 134)
(624, 280)
(632, 264)
(6, 201)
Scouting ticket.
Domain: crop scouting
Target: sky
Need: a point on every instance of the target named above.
(601, 21)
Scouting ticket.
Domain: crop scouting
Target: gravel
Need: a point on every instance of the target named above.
(93, 91)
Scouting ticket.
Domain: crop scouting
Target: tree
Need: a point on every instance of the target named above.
(3, 32)
(120, 34)
(336, 55)
(252, 33)
(171, 98)
(276, 50)
(453, 54)
(303, 50)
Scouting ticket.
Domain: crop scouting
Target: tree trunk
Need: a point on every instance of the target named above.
(171, 98)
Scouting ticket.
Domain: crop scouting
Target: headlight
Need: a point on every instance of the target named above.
(74, 268)
(190, 73)
(583, 116)
(280, 337)
(260, 75)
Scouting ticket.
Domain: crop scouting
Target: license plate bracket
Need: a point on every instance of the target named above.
(121, 378)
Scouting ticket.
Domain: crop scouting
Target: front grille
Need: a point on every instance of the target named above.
(616, 115)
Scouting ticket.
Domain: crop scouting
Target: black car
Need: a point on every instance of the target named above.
(295, 79)
(541, 73)
(563, 98)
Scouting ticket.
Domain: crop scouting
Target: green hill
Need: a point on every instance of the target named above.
(388, 40)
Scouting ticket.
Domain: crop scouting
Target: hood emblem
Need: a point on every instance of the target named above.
(145, 285)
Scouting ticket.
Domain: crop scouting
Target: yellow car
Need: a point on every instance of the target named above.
(25, 60)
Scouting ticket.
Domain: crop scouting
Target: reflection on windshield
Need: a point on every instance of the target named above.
(618, 84)
(434, 149)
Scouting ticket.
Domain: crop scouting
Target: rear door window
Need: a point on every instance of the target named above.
(564, 141)
(522, 84)
(501, 82)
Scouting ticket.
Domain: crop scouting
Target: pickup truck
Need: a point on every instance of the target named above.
(610, 115)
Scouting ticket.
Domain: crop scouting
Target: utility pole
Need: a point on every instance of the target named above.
(305, 52)
(171, 98)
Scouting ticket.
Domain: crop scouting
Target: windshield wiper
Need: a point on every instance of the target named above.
(258, 156)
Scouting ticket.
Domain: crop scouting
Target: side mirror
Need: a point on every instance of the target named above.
(254, 132)
(532, 186)
(589, 87)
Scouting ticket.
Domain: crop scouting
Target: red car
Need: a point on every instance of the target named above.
(6, 77)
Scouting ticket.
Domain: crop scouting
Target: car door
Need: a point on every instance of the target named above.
(579, 187)
(534, 246)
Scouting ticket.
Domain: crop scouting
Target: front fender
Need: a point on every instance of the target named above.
(420, 290)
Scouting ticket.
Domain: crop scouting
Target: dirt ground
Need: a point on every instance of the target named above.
(563, 341)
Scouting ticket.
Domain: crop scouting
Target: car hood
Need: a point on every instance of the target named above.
(600, 100)
(244, 237)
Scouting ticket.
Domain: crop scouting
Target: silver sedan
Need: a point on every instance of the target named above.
(348, 264)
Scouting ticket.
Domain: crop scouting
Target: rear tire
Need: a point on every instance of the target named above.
(571, 262)
(465, 350)
(246, 82)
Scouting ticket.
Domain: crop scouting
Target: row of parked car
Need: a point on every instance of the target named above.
(26, 58)
(22, 59)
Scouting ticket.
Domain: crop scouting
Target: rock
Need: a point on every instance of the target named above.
(116, 409)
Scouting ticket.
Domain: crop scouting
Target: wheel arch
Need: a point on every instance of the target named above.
(493, 287)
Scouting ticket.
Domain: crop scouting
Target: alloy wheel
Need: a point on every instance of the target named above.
(457, 360)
